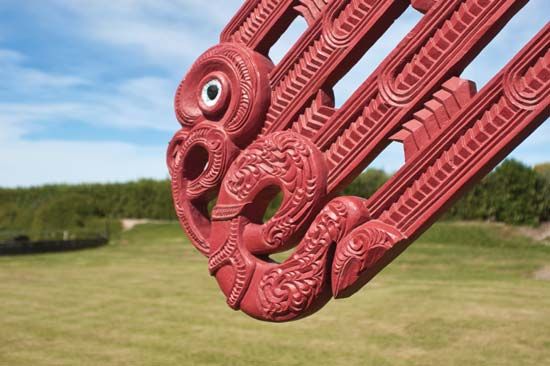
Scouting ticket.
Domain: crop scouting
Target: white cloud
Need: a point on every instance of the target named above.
(213, 13)
(140, 102)
(145, 102)
(16, 77)
(136, 103)
(10, 56)
(515, 35)
(17, 118)
(168, 34)
(535, 149)
(25, 163)
(38, 162)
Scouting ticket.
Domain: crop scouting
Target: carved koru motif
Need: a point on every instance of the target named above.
(251, 129)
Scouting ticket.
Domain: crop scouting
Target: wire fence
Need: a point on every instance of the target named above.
(20, 242)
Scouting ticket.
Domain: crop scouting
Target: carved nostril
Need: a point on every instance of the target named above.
(196, 162)
(211, 92)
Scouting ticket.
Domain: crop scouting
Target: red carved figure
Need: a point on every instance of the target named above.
(251, 129)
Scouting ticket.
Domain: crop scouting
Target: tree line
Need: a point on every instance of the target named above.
(513, 193)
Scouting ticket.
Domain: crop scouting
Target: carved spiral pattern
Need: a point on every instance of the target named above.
(296, 287)
(359, 252)
(290, 288)
(526, 86)
(284, 159)
(343, 18)
(189, 192)
(174, 154)
(216, 143)
(408, 71)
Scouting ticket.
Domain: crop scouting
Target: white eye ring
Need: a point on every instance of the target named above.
(211, 92)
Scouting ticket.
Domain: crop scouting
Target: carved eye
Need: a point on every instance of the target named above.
(211, 92)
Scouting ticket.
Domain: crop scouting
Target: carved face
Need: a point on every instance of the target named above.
(220, 104)
(228, 85)
(250, 129)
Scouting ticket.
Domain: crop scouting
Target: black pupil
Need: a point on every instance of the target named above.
(212, 91)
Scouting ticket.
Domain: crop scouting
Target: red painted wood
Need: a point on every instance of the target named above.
(250, 129)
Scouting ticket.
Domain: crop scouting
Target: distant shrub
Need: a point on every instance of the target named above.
(543, 170)
(512, 193)
(60, 207)
(367, 183)
(8, 215)
(70, 210)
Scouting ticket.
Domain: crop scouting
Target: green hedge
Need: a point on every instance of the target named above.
(86, 206)
(512, 193)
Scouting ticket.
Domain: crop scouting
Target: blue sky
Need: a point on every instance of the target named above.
(86, 87)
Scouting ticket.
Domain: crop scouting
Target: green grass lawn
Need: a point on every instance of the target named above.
(464, 294)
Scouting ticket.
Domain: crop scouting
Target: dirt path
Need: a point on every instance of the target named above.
(538, 233)
(542, 274)
(128, 224)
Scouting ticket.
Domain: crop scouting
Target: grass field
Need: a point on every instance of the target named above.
(464, 294)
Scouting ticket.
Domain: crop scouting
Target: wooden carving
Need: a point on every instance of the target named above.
(251, 129)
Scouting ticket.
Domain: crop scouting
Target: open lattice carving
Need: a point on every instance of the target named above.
(251, 129)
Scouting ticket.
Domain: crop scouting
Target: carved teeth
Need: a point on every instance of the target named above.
(437, 113)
